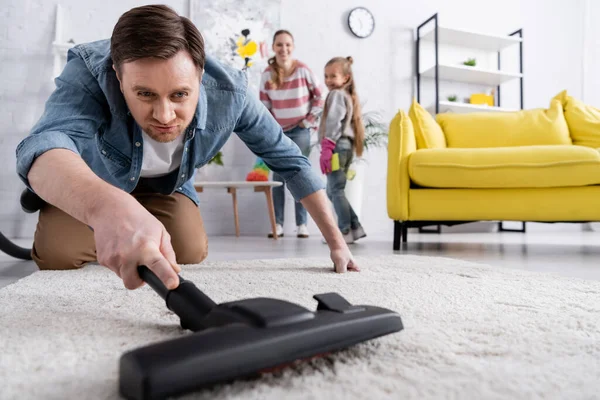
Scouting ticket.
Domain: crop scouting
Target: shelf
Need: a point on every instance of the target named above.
(460, 73)
(475, 40)
(456, 107)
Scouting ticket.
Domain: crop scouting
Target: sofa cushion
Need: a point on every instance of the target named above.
(583, 120)
(519, 128)
(428, 133)
(505, 167)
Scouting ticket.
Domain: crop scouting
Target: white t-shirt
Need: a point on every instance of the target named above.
(161, 158)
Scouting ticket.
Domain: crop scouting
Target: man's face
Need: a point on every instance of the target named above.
(162, 95)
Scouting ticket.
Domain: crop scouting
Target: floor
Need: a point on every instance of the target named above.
(572, 254)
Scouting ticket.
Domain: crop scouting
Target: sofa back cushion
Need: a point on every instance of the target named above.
(583, 121)
(519, 128)
(428, 133)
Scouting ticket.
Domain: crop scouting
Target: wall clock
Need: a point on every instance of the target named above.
(361, 22)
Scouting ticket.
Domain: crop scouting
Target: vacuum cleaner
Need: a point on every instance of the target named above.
(30, 203)
(234, 340)
(242, 339)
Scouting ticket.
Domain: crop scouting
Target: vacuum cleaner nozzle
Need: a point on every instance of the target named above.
(242, 338)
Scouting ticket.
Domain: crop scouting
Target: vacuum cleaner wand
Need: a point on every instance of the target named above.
(187, 301)
(153, 281)
(243, 338)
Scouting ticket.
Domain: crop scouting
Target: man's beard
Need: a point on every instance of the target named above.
(163, 137)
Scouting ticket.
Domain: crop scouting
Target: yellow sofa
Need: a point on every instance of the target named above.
(538, 165)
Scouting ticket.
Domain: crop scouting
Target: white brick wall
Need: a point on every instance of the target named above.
(383, 70)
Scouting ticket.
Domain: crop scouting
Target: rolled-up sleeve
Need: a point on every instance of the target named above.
(72, 116)
(257, 128)
(34, 146)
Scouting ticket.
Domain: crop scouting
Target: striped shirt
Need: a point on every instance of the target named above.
(298, 99)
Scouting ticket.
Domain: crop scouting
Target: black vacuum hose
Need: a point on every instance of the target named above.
(30, 203)
(13, 250)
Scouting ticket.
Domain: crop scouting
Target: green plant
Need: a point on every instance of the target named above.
(217, 159)
(471, 62)
(452, 98)
(376, 131)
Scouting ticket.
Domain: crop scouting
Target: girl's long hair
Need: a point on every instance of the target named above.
(350, 87)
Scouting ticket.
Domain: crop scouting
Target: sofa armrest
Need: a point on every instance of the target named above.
(401, 143)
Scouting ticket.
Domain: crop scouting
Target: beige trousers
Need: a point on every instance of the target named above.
(63, 242)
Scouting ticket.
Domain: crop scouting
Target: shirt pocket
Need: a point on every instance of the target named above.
(113, 159)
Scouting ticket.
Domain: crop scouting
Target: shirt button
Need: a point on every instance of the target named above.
(183, 175)
(104, 152)
(185, 149)
(132, 178)
(137, 144)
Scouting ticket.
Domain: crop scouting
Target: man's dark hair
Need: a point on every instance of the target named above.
(154, 31)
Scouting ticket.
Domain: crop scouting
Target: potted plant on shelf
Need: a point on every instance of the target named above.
(471, 62)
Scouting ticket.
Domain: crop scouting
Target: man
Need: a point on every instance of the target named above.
(115, 151)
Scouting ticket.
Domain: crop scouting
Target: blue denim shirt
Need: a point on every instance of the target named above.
(87, 114)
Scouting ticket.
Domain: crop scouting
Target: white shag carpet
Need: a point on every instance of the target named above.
(471, 331)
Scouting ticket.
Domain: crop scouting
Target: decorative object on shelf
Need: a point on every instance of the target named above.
(482, 98)
(452, 98)
(471, 62)
(259, 173)
(361, 22)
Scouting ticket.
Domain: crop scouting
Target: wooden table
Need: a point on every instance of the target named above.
(233, 186)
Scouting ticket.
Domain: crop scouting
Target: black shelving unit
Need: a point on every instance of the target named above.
(434, 18)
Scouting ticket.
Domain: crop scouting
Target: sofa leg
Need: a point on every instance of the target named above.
(398, 227)
(404, 232)
(502, 229)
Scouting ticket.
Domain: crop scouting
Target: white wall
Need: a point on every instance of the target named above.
(591, 53)
(384, 64)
